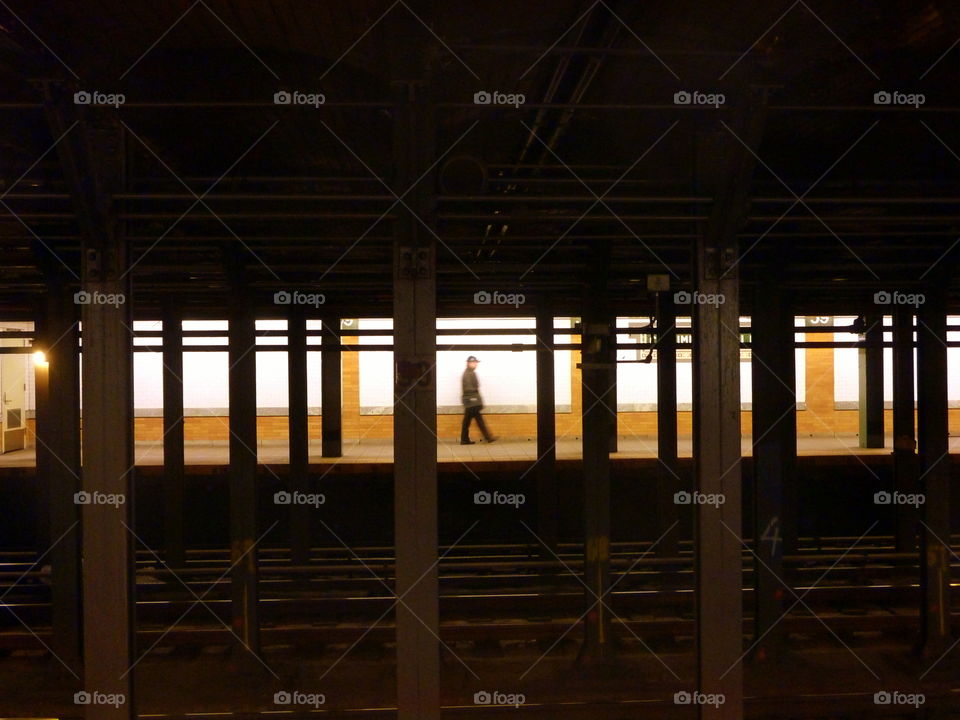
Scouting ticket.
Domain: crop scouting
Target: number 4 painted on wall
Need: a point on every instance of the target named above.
(772, 534)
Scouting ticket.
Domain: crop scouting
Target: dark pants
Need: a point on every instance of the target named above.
(473, 413)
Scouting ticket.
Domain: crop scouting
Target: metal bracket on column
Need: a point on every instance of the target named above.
(93, 264)
(415, 373)
(718, 260)
(415, 263)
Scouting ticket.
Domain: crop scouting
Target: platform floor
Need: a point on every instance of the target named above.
(449, 450)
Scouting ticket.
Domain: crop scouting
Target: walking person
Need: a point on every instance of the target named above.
(472, 404)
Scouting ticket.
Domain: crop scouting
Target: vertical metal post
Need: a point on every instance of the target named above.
(717, 472)
(774, 456)
(904, 426)
(415, 414)
(42, 529)
(331, 381)
(547, 520)
(725, 170)
(93, 158)
(597, 427)
(173, 431)
(108, 588)
(58, 463)
(610, 398)
(935, 470)
(871, 384)
(667, 466)
(298, 433)
(242, 381)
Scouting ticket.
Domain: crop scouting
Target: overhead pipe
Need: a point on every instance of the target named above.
(523, 199)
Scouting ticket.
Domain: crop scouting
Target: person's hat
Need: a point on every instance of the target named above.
(472, 358)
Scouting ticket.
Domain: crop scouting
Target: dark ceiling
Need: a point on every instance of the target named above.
(846, 196)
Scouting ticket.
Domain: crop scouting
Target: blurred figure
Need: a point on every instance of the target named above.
(472, 404)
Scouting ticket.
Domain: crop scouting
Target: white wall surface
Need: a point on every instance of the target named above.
(846, 367)
(637, 382)
(508, 380)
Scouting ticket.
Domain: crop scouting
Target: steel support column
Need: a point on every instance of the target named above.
(547, 521)
(597, 428)
(42, 529)
(58, 463)
(242, 380)
(93, 159)
(331, 390)
(610, 395)
(108, 589)
(904, 426)
(933, 448)
(871, 384)
(173, 448)
(717, 475)
(415, 411)
(725, 168)
(668, 478)
(298, 433)
(773, 369)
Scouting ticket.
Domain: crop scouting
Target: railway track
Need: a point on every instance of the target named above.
(487, 593)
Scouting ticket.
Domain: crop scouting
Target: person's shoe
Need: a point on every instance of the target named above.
(492, 438)
(467, 442)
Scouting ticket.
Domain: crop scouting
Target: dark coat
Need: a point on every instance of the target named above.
(471, 389)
